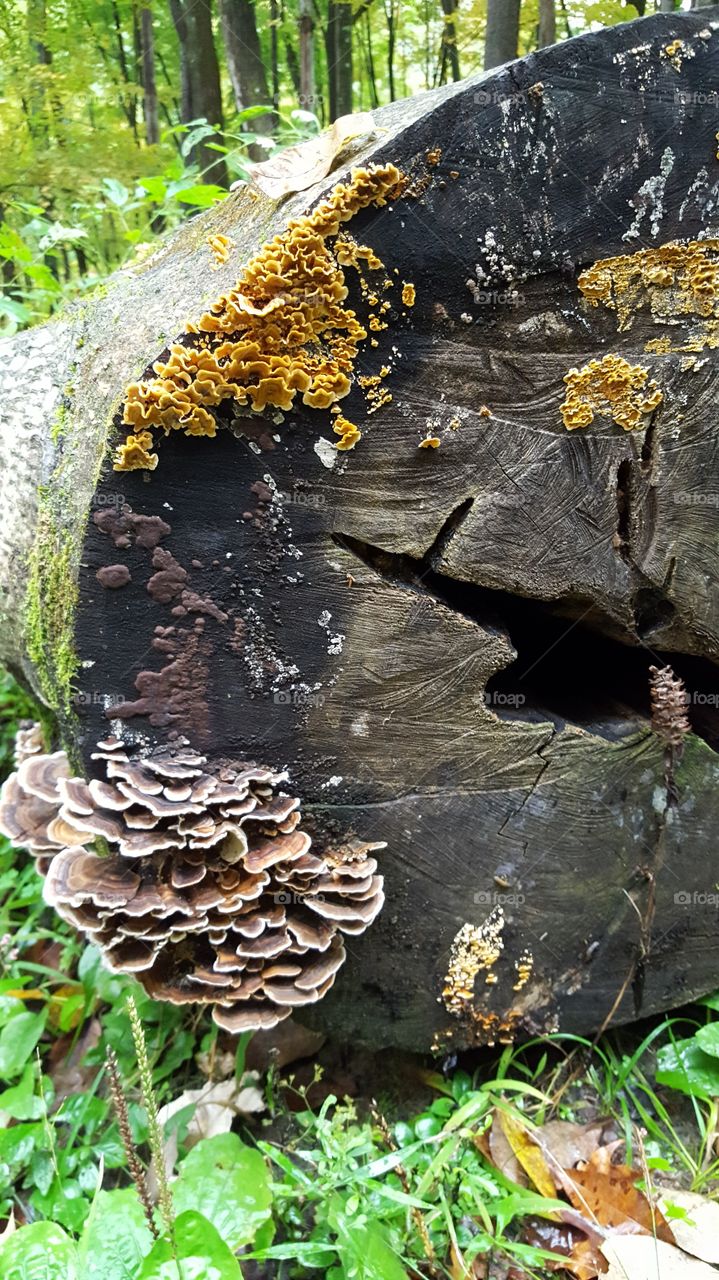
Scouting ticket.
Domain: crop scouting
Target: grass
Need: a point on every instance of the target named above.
(393, 1182)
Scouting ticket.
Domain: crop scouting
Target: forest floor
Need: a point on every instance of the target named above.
(283, 1155)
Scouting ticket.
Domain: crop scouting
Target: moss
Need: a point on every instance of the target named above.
(49, 611)
(281, 330)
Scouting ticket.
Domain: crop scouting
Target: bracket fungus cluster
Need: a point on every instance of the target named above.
(282, 329)
(211, 893)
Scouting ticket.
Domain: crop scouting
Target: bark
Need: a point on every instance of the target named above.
(547, 31)
(149, 84)
(448, 648)
(307, 56)
(200, 79)
(449, 56)
(502, 32)
(246, 66)
(339, 57)
(128, 96)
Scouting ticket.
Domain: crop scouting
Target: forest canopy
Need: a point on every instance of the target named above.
(119, 119)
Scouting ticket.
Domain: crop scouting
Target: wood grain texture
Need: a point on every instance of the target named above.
(345, 622)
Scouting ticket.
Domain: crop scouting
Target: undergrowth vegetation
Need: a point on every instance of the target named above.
(136, 1143)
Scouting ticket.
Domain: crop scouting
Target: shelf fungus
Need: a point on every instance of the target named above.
(283, 329)
(211, 893)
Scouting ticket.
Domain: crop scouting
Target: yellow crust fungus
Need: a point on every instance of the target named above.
(220, 247)
(347, 431)
(676, 279)
(475, 948)
(429, 442)
(409, 293)
(281, 330)
(609, 386)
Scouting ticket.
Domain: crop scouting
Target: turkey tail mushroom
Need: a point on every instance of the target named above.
(211, 893)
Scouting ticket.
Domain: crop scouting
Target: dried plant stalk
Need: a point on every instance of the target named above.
(134, 1164)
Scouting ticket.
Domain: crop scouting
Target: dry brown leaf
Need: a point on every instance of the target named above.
(582, 1258)
(527, 1153)
(216, 1106)
(501, 1154)
(607, 1193)
(565, 1144)
(297, 168)
(632, 1257)
(283, 1044)
(700, 1235)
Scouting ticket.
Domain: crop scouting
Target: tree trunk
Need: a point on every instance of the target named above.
(502, 32)
(244, 60)
(200, 78)
(449, 648)
(149, 85)
(449, 56)
(339, 57)
(547, 30)
(307, 56)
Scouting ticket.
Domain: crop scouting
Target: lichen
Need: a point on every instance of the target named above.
(610, 386)
(281, 330)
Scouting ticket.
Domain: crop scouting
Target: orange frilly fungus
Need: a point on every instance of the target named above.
(283, 329)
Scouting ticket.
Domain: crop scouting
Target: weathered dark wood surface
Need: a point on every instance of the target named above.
(354, 614)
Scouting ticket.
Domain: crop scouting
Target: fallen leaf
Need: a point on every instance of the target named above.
(216, 1105)
(297, 168)
(565, 1144)
(642, 1258)
(528, 1153)
(502, 1155)
(285, 1043)
(608, 1194)
(581, 1257)
(698, 1233)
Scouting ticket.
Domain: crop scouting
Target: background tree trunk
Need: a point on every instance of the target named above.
(502, 32)
(448, 648)
(547, 31)
(246, 66)
(339, 57)
(200, 77)
(307, 56)
(149, 84)
(449, 56)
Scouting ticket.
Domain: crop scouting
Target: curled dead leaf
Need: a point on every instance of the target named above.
(698, 1233)
(297, 168)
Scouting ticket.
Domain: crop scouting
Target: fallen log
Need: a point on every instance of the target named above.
(434, 600)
